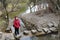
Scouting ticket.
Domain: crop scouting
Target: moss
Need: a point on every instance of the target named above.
(22, 9)
(13, 14)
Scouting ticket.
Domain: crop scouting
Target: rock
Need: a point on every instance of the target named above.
(7, 38)
(46, 30)
(55, 24)
(33, 31)
(12, 29)
(18, 36)
(50, 24)
(8, 30)
(26, 32)
(39, 30)
(53, 29)
(1, 35)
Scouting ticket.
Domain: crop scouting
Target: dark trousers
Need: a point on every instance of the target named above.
(16, 31)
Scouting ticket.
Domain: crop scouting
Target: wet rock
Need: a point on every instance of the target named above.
(26, 32)
(9, 29)
(18, 36)
(33, 31)
(50, 24)
(39, 30)
(46, 30)
(55, 24)
(53, 29)
(8, 36)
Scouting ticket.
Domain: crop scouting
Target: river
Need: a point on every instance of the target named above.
(44, 37)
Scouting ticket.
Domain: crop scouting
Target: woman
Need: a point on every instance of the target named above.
(16, 24)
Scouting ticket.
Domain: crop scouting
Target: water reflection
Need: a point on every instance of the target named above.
(29, 38)
(45, 37)
(26, 38)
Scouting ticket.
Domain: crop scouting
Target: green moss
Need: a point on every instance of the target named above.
(1, 23)
(13, 14)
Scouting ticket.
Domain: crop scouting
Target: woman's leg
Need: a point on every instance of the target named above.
(17, 30)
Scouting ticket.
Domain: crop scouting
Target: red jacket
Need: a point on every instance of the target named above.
(16, 23)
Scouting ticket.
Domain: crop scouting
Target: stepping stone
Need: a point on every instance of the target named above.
(53, 29)
(18, 36)
(26, 32)
(33, 31)
(39, 30)
(8, 30)
(7, 38)
(50, 24)
(46, 30)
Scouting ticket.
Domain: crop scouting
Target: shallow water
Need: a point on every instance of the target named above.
(45, 37)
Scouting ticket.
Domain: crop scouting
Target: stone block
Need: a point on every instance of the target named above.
(39, 30)
(26, 32)
(46, 30)
(53, 29)
(33, 31)
(50, 24)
